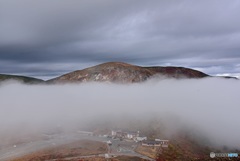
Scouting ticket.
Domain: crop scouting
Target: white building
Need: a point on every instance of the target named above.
(140, 138)
(132, 135)
(107, 156)
(124, 134)
(164, 143)
(109, 142)
(114, 132)
(156, 142)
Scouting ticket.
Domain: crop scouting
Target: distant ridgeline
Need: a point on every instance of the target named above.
(23, 79)
(116, 72)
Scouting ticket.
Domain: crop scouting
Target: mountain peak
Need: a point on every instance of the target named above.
(126, 73)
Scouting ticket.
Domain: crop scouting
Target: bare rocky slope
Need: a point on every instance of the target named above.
(115, 72)
(126, 73)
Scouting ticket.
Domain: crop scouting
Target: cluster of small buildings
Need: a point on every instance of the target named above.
(138, 138)
(156, 142)
(131, 135)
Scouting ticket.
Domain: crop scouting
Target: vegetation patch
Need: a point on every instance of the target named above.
(79, 148)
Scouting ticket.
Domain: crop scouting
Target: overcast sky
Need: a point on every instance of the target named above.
(49, 38)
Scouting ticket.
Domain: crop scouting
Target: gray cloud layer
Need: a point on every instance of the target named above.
(42, 38)
(210, 106)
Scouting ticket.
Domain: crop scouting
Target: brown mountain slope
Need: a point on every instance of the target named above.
(125, 73)
(24, 79)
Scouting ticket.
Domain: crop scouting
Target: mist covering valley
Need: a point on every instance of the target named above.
(208, 108)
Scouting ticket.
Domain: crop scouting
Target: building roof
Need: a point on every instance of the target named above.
(150, 142)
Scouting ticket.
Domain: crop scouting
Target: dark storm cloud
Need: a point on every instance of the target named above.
(73, 34)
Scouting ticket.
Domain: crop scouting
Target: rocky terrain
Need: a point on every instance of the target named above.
(126, 73)
(116, 72)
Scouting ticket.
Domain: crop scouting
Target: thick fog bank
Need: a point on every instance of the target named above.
(211, 106)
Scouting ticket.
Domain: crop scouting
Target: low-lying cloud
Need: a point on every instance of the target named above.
(210, 106)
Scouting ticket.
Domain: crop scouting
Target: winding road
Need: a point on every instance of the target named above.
(117, 148)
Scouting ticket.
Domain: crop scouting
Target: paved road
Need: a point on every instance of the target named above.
(7, 153)
(125, 147)
(116, 149)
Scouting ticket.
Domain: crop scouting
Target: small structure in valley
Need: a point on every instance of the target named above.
(109, 142)
(140, 138)
(107, 156)
(125, 134)
(157, 142)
